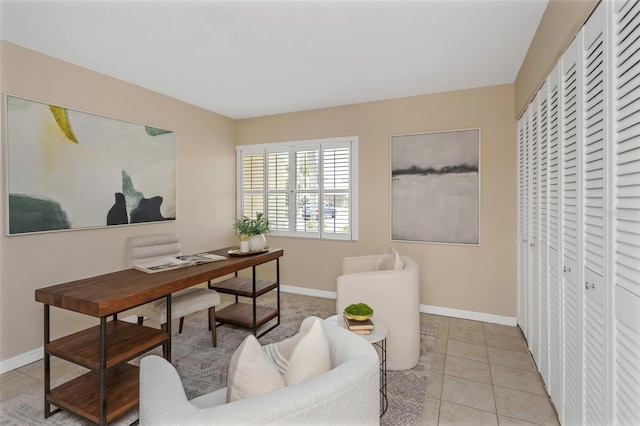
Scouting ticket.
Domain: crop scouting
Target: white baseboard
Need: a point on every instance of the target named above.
(38, 353)
(471, 315)
(309, 292)
(21, 360)
(425, 309)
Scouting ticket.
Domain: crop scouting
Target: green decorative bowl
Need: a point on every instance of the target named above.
(358, 312)
(358, 317)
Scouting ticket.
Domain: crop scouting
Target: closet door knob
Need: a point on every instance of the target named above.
(589, 285)
(566, 269)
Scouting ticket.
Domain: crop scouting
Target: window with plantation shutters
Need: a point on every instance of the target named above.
(305, 188)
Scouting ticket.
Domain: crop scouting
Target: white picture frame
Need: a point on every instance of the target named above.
(435, 187)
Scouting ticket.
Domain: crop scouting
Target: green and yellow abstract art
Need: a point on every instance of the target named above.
(68, 169)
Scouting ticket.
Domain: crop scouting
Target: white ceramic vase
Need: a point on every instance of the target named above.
(244, 246)
(257, 242)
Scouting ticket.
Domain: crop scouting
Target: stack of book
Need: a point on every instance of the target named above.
(358, 327)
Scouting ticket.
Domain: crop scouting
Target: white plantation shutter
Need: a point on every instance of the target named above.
(278, 190)
(570, 151)
(594, 140)
(555, 380)
(543, 155)
(523, 218)
(572, 294)
(305, 188)
(627, 211)
(252, 184)
(627, 147)
(534, 254)
(555, 159)
(336, 177)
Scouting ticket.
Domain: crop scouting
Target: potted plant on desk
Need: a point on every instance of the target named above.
(244, 232)
(251, 232)
(260, 227)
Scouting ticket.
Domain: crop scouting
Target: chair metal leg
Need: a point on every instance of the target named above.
(140, 319)
(212, 326)
(181, 324)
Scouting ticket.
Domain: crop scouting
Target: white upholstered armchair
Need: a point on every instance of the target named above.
(394, 296)
(348, 394)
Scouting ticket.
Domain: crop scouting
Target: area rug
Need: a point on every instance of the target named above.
(204, 369)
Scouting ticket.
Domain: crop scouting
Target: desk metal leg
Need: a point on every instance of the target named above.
(47, 365)
(168, 323)
(278, 289)
(254, 325)
(103, 371)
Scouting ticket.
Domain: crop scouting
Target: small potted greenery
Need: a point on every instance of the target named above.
(244, 232)
(251, 232)
(259, 227)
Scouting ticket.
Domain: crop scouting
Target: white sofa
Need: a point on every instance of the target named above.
(394, 296)
(348, 394)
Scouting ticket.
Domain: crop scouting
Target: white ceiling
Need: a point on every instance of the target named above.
(254, 58)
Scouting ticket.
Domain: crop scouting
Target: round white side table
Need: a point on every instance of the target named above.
(378, 337)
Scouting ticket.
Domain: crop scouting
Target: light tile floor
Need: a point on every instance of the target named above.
(481, 374)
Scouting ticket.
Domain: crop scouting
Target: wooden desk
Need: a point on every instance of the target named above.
(111, 388)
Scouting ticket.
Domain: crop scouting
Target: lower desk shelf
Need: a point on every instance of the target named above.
(241, 314)
(82, 394)
(79, 395)
(242, 286)
(125, 342)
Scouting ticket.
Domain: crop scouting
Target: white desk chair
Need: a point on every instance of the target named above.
(147, 248)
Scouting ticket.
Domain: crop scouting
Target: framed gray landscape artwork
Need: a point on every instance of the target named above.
(69, 169)
(435, 187)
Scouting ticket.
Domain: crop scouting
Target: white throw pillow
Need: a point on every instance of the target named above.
(389, 261)
(252, 371)
(311, 356)
(281, 352)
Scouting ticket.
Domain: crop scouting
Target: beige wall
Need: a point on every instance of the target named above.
(481, 279)
(560, 23)
(205, 192)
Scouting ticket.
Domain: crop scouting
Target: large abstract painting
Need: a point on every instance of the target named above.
(68, 169)
(435, 187)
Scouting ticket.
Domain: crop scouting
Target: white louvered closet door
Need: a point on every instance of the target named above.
(597, 341)
(543, 246)
(523, 220)
(555, 380)
(571, 191)
(626, 226)
(534, 232)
